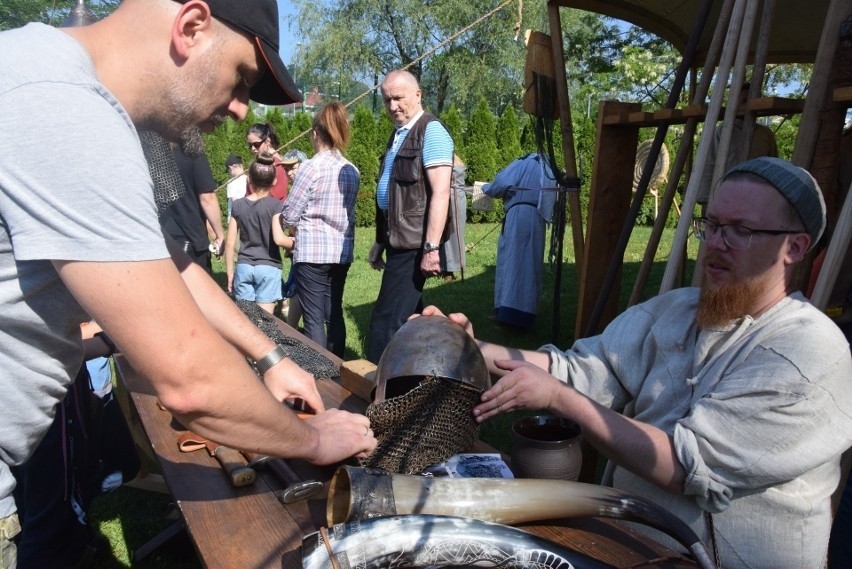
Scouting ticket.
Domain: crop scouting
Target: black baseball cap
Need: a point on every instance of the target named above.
(259, 19)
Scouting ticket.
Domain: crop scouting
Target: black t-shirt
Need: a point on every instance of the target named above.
(184, 220)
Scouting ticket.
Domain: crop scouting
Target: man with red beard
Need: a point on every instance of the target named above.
(730, 405)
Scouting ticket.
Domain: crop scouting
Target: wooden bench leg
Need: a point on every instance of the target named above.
(163, 537)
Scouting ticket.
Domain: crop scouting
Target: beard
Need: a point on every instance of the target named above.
(179, 122)
(720, 305)
(190, 140)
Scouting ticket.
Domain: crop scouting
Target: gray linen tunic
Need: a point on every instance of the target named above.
(759, 411)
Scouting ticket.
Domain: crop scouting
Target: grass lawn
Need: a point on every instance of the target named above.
(129, 517)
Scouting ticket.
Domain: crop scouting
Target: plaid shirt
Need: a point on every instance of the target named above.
(321, 206)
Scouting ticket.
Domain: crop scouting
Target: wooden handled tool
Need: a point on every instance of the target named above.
(295, 488)
(229, 459)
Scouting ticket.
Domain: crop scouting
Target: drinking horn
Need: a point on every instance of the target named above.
(364, 493)
(435, 541)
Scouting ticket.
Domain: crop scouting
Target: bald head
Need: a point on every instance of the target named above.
(401, 95)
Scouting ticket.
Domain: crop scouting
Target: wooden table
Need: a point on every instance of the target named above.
(249, 528)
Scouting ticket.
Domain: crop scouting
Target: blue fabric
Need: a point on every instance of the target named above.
(100, 376)
(384, 179)
(520, 249)
(289, 288)
(257, 283)
(438, 146)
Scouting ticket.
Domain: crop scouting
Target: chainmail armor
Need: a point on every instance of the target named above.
(302, 354)
(427, 425)
(168, 185)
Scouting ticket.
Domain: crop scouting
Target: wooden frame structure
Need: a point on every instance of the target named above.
(811, 36)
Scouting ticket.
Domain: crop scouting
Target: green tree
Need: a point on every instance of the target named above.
(508, 137)
(363, 150)
(368, 38)
(16, 13)
(454, 122)
(480, 149)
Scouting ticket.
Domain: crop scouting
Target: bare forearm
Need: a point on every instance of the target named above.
(492, 352)
(206, 383)
(210, 206)
(639, 447)
(223, 314)
(439, 202)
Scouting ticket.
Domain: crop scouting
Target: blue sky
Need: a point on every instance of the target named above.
(288, 37)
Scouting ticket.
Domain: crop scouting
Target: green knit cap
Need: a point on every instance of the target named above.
(796, 184)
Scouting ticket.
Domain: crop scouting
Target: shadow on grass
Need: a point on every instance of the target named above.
(129, 518)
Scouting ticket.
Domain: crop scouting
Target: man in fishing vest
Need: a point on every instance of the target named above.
(412, 208)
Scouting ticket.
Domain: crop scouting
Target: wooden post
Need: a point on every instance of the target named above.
(566, 125)
(685, 222)
(834, 256)
(806, 140)
(684, 151)
(609, 201)
(729, 122)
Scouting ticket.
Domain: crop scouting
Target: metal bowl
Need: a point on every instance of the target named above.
(430, 346)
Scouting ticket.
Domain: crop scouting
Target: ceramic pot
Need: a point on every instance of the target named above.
(546, 447)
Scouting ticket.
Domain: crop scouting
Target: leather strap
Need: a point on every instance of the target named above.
(332, 558)
(189, 442)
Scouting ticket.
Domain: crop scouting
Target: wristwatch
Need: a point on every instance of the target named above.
(429, 247)
(265, 363)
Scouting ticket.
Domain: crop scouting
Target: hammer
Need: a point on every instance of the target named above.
(295, 488)
(229, 459)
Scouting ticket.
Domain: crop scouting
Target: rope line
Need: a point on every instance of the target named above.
(452, 38)
(427, 54)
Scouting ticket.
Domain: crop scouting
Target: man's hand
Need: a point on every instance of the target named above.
(430, 264)
(456, 317)
(286, 380)
(375, 256)
(341, 435)
(526, 386)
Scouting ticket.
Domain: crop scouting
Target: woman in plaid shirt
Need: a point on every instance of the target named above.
(321, 206)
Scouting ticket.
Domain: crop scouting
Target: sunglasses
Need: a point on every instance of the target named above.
(256, 145)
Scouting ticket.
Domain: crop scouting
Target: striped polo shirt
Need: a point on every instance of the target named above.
(437, 151)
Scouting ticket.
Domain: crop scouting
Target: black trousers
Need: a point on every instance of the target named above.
(321, 297)
(400, 296)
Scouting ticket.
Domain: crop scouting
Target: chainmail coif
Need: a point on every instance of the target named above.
(427, 425)
(302, 354)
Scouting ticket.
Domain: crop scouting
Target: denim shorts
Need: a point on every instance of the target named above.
(258, 283)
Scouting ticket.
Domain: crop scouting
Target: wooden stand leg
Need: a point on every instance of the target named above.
(163, 537)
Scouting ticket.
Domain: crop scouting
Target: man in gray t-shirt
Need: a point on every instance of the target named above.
(80, 240)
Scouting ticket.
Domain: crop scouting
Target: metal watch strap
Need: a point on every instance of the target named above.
(429, 247)
(265, 363)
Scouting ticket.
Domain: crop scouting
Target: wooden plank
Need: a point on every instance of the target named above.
(764, 106)
(609, 201)
(249, 527)
(641, 118)
(357, 377)
(842, 95)
(230, 527)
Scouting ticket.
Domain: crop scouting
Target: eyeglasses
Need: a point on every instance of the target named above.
(256, 145)
(735, 236)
